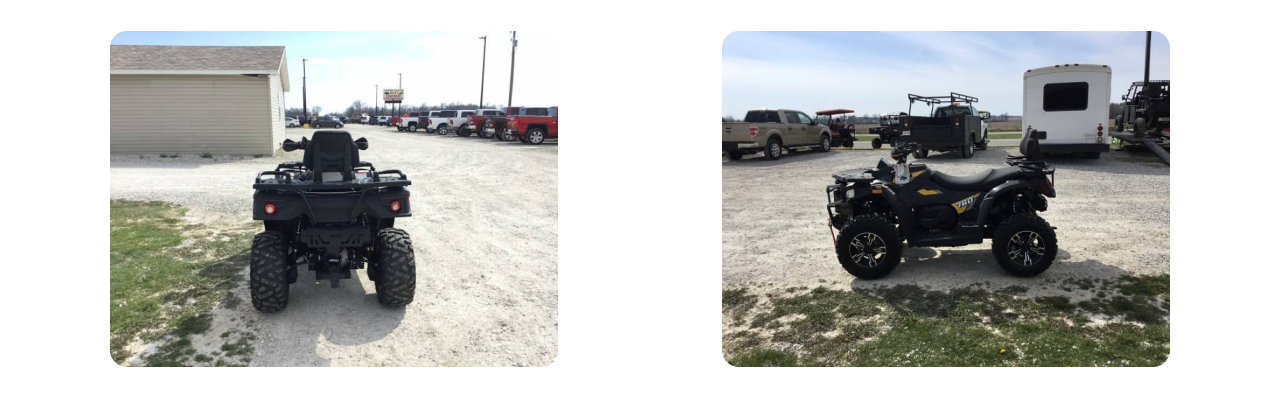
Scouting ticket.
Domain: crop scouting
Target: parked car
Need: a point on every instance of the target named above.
(327, 122)
(952, 127)
(1071, 104)
(344, 119)
(496, 128)
(535, 125)
(480, 121)
(771, 131)
(290, 121)
(384, 121)
(364, 119)
(445, 121)
(409, 122)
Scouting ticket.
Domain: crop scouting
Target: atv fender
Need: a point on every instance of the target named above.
(906, 218)
(1009, 187)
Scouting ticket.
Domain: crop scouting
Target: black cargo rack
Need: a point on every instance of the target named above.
(934, 100)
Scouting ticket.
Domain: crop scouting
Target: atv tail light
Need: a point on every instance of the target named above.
(395, 206)
(754, 131)
(269, 209)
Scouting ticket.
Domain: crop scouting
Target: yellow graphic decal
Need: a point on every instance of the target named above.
(916, 173)
(964, 204)
(928, 192)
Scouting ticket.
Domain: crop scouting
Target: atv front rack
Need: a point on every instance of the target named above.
(285, 180)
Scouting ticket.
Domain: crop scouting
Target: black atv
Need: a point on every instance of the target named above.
(334, 213)
(875, 210)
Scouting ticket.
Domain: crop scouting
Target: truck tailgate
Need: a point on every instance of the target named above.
(927, 130)
(738, 132)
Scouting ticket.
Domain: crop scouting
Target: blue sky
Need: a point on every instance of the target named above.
(438, 67)
(872, 72)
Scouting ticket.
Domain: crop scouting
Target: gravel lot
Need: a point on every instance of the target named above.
(1112, 218)
(485, 237)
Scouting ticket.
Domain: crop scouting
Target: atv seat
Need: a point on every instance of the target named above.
(331, 156)
(981, 181)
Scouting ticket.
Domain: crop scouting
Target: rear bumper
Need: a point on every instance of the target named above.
(738, 145)
(1082, 147)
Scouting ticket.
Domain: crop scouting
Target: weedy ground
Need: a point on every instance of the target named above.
(1124, 322)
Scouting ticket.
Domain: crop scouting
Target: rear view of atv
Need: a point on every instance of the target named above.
(334, 214)
(876, 210)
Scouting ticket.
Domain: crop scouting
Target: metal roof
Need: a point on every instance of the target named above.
(197, 58)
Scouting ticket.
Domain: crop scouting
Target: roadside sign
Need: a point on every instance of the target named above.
(392, 95)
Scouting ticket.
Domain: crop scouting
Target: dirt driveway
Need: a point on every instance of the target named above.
(1111, 214)
(485, 237)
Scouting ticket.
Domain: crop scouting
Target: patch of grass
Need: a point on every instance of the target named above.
(163, 155)
(907, 325)
(165, 281)
(206, 155)
(764, 358)
(1001, 136)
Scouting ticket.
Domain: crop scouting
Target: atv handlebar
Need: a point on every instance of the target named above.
(903, 149)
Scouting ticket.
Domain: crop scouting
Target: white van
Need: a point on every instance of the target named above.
(1070, 103)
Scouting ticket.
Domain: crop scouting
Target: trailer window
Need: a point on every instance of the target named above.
(1072, 96)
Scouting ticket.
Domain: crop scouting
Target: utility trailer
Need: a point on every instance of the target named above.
(1146, 108)
(952, 127)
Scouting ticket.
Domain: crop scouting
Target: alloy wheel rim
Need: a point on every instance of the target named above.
(868, 250)
(1026, 248)
(535, 136)
(776, 150)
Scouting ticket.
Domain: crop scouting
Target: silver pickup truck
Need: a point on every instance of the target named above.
(772, 130)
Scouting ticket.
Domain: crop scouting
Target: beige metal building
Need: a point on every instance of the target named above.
(197, 99)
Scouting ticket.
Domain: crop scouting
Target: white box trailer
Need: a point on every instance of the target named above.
(1071, 104)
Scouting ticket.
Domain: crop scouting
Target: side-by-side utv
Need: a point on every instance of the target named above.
(333, 213)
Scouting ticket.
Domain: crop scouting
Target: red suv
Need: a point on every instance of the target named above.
(534, 125)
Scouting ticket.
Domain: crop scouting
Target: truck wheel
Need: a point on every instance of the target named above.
(443, 129)
(826, 143)
(868, 247)
(1024, 245)
(413, 127)
(922, 153)
(734, 155)
(876, 143)
(269, 272)
(396, 272)
(967, 150)
(464, 131)
(982, 145)
(773, 150)
(536, 136)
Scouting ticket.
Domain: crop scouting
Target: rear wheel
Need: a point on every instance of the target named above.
(396, 273)
(868, 247)
(922, 153)
(1140, 127)
(1119, 127)
(1024, 245)
(876, 143)
(536, 136)
(443, 129)
(734, 155)
(773, 150)
(413, 127)
(269, 272)
(464, 131)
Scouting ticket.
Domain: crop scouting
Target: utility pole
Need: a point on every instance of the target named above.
(400, 85)
(484, 53)
(375, 104)
(511, 84)
(304, 92)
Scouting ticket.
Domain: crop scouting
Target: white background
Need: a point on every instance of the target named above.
(639, 200)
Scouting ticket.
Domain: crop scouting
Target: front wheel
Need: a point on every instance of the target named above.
(506, 135)
(826, 143)
(868, 247)
(922, 153)
(443, 129)
(876, 143)
(269, 272)
(464, 131)
(1024, 245)
(982, 145)
(395, 276)
(967, 150)
(413, 128)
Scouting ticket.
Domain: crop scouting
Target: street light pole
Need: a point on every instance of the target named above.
(511, 84)
(304, 91)
(484, 53)
(375, 105)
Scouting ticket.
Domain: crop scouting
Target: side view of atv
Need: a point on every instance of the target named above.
(876, 210)
(333, 213)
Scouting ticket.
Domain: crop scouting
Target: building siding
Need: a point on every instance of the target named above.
(153, 114)
(277, 113)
